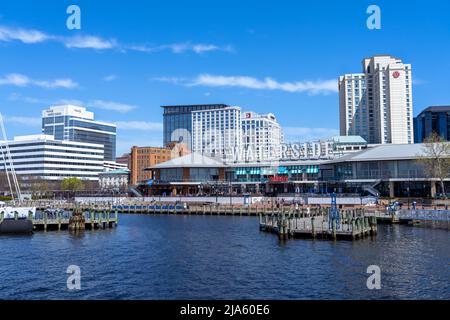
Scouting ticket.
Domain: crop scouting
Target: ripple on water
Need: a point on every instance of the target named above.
(202, 257)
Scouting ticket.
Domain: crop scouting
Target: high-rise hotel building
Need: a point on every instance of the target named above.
(223, 131)
(177, 122)
(377, 104)
(262, 137)
(74, 123)
(216, 132)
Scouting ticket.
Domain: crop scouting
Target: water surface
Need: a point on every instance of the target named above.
(211, 257)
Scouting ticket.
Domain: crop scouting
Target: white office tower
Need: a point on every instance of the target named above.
(74, 123)
(217, 132)
(41, 156)
(377, 104)
(262, 137)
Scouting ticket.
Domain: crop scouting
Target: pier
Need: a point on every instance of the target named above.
(350, 224)
(319, 224)
(65, 220)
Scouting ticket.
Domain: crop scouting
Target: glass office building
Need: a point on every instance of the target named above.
(432, 119)
(73, 123)
(177, 123)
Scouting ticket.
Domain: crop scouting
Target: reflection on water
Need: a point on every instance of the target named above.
(203, 257)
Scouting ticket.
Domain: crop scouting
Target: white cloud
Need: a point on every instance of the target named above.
(181, 48)
(18, 97)
(20, 80)
(89, 42)
(173, 80)
(139, 48)
(110, 77)
(30, 36)
(197, 48)
(99, 104)
(15, 79)
(75, 102)
(26, 121)
(23, 35)
(58, 83)
(311, 87)
(111, 105)
(300, 134)
(140, 125)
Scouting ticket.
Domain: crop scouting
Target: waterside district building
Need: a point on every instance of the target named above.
(386, 170)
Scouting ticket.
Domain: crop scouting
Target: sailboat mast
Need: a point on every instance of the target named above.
(11, 165)
(7, 173)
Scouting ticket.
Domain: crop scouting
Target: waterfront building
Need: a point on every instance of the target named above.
(112, 165)
(177, 122)
(190, 174)
(386, 170)
(41, 156)
(377, 104)
(324, 148)
(217, 132)
(74, 123)
(432, 119)
(347, 144)
(124, 159)
(145, 157)
(262, 137)
(114, 180)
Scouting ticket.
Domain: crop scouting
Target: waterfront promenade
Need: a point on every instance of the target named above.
(55, 215)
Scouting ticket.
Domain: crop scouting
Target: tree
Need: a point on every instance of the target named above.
(72, 184)
(436, 159)
(39, 188)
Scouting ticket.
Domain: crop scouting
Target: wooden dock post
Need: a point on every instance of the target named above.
(353, 228)
(282, 225)
(333, 228)
(373, 225)
(313, 227)
(45, 220)
(367, 226)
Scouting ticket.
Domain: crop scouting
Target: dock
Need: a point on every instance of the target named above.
(106, 214)
(64, 220)
(317, 224)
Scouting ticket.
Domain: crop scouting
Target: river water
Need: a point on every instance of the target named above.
(211, 257)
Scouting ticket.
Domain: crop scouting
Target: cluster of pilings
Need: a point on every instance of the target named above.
(77, 222)
(316, 223)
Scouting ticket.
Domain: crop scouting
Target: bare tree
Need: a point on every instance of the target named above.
(436, 159)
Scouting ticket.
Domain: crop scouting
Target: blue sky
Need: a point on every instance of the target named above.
(131, 57)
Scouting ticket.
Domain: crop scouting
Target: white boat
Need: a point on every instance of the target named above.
(9, 212)
(14, 214)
